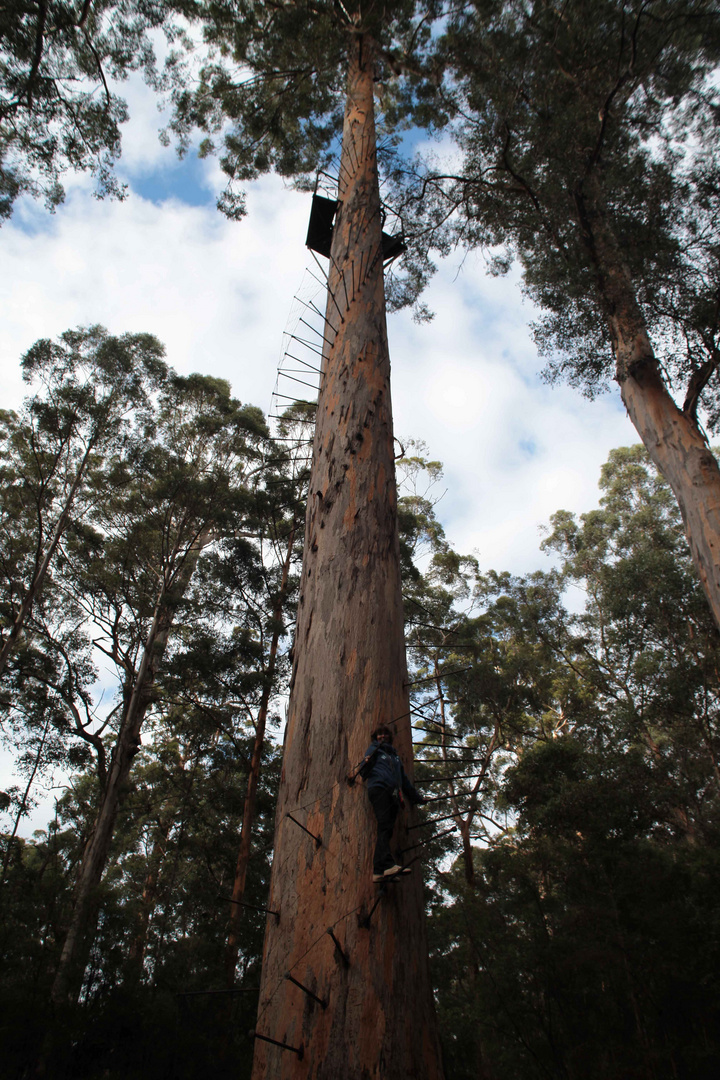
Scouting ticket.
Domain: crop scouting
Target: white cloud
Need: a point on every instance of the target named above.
(515, 449)
(218, 294)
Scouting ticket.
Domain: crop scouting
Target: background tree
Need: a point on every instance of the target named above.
(139, 543)
(285, 483)
(589, 912)
(483, 683)
(60, 452)
(190, 486)
(589, 137)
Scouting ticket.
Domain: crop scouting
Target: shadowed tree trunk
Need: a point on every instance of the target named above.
(349, 674)
(148, 900)
(71, 966)
(24, 801)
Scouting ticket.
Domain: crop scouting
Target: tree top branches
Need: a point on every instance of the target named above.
(273, 89)
(578, 115)
(58, 107)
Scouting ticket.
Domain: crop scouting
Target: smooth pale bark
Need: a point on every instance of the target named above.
(243, 859)
(349, 674)
(670, 436)
(71, 966)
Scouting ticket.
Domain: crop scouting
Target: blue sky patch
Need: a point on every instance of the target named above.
(185, 180)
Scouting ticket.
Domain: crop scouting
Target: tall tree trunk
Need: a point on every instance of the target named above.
(670, 436)
(44, 560)
(68, 977)
(349, 674)
(233, 940)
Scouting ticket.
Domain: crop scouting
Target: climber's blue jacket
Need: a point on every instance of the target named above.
(383, 768)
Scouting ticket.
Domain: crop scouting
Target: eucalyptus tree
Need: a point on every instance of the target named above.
(472, 698)
(132, 571)
(175, 844)
(645, 645)
(61, 451)
(284, 484)
(591, 907)
(589, 139)
(489, 682)
(59, 61)
(50, 720)
(287, 81)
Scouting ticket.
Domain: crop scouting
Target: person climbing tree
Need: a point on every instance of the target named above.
(386, 782)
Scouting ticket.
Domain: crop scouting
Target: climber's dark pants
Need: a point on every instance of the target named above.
(386, 807)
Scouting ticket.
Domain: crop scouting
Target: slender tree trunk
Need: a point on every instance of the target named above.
(24, 801)
(41, 569)
(189, 777)
(233, 940)
(68, 978)
(670, 436)
(148, 900)
(349, 674)
(463, 824)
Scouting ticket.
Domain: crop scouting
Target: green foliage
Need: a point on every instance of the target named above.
(586, 941)
(58, 59)
(278, 75)
(270, 92)
(574, 116)
(93, 392)
(187, 508)
(573, 918)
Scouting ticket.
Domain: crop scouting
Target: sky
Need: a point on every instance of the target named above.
(219, 295)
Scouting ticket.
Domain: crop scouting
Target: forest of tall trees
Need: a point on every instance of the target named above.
(205, 611)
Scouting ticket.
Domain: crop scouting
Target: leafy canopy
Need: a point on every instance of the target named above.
(273, 88)
(58, 109)
(574, 111)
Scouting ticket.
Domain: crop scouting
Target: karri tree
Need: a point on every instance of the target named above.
(285, 488)
(59, 452)
(589, 137)
(364, 1004)
(131, 571)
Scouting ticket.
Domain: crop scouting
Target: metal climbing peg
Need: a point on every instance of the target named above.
(339, 949)
(321, 1003)
(299, 1050)
(318, 841)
